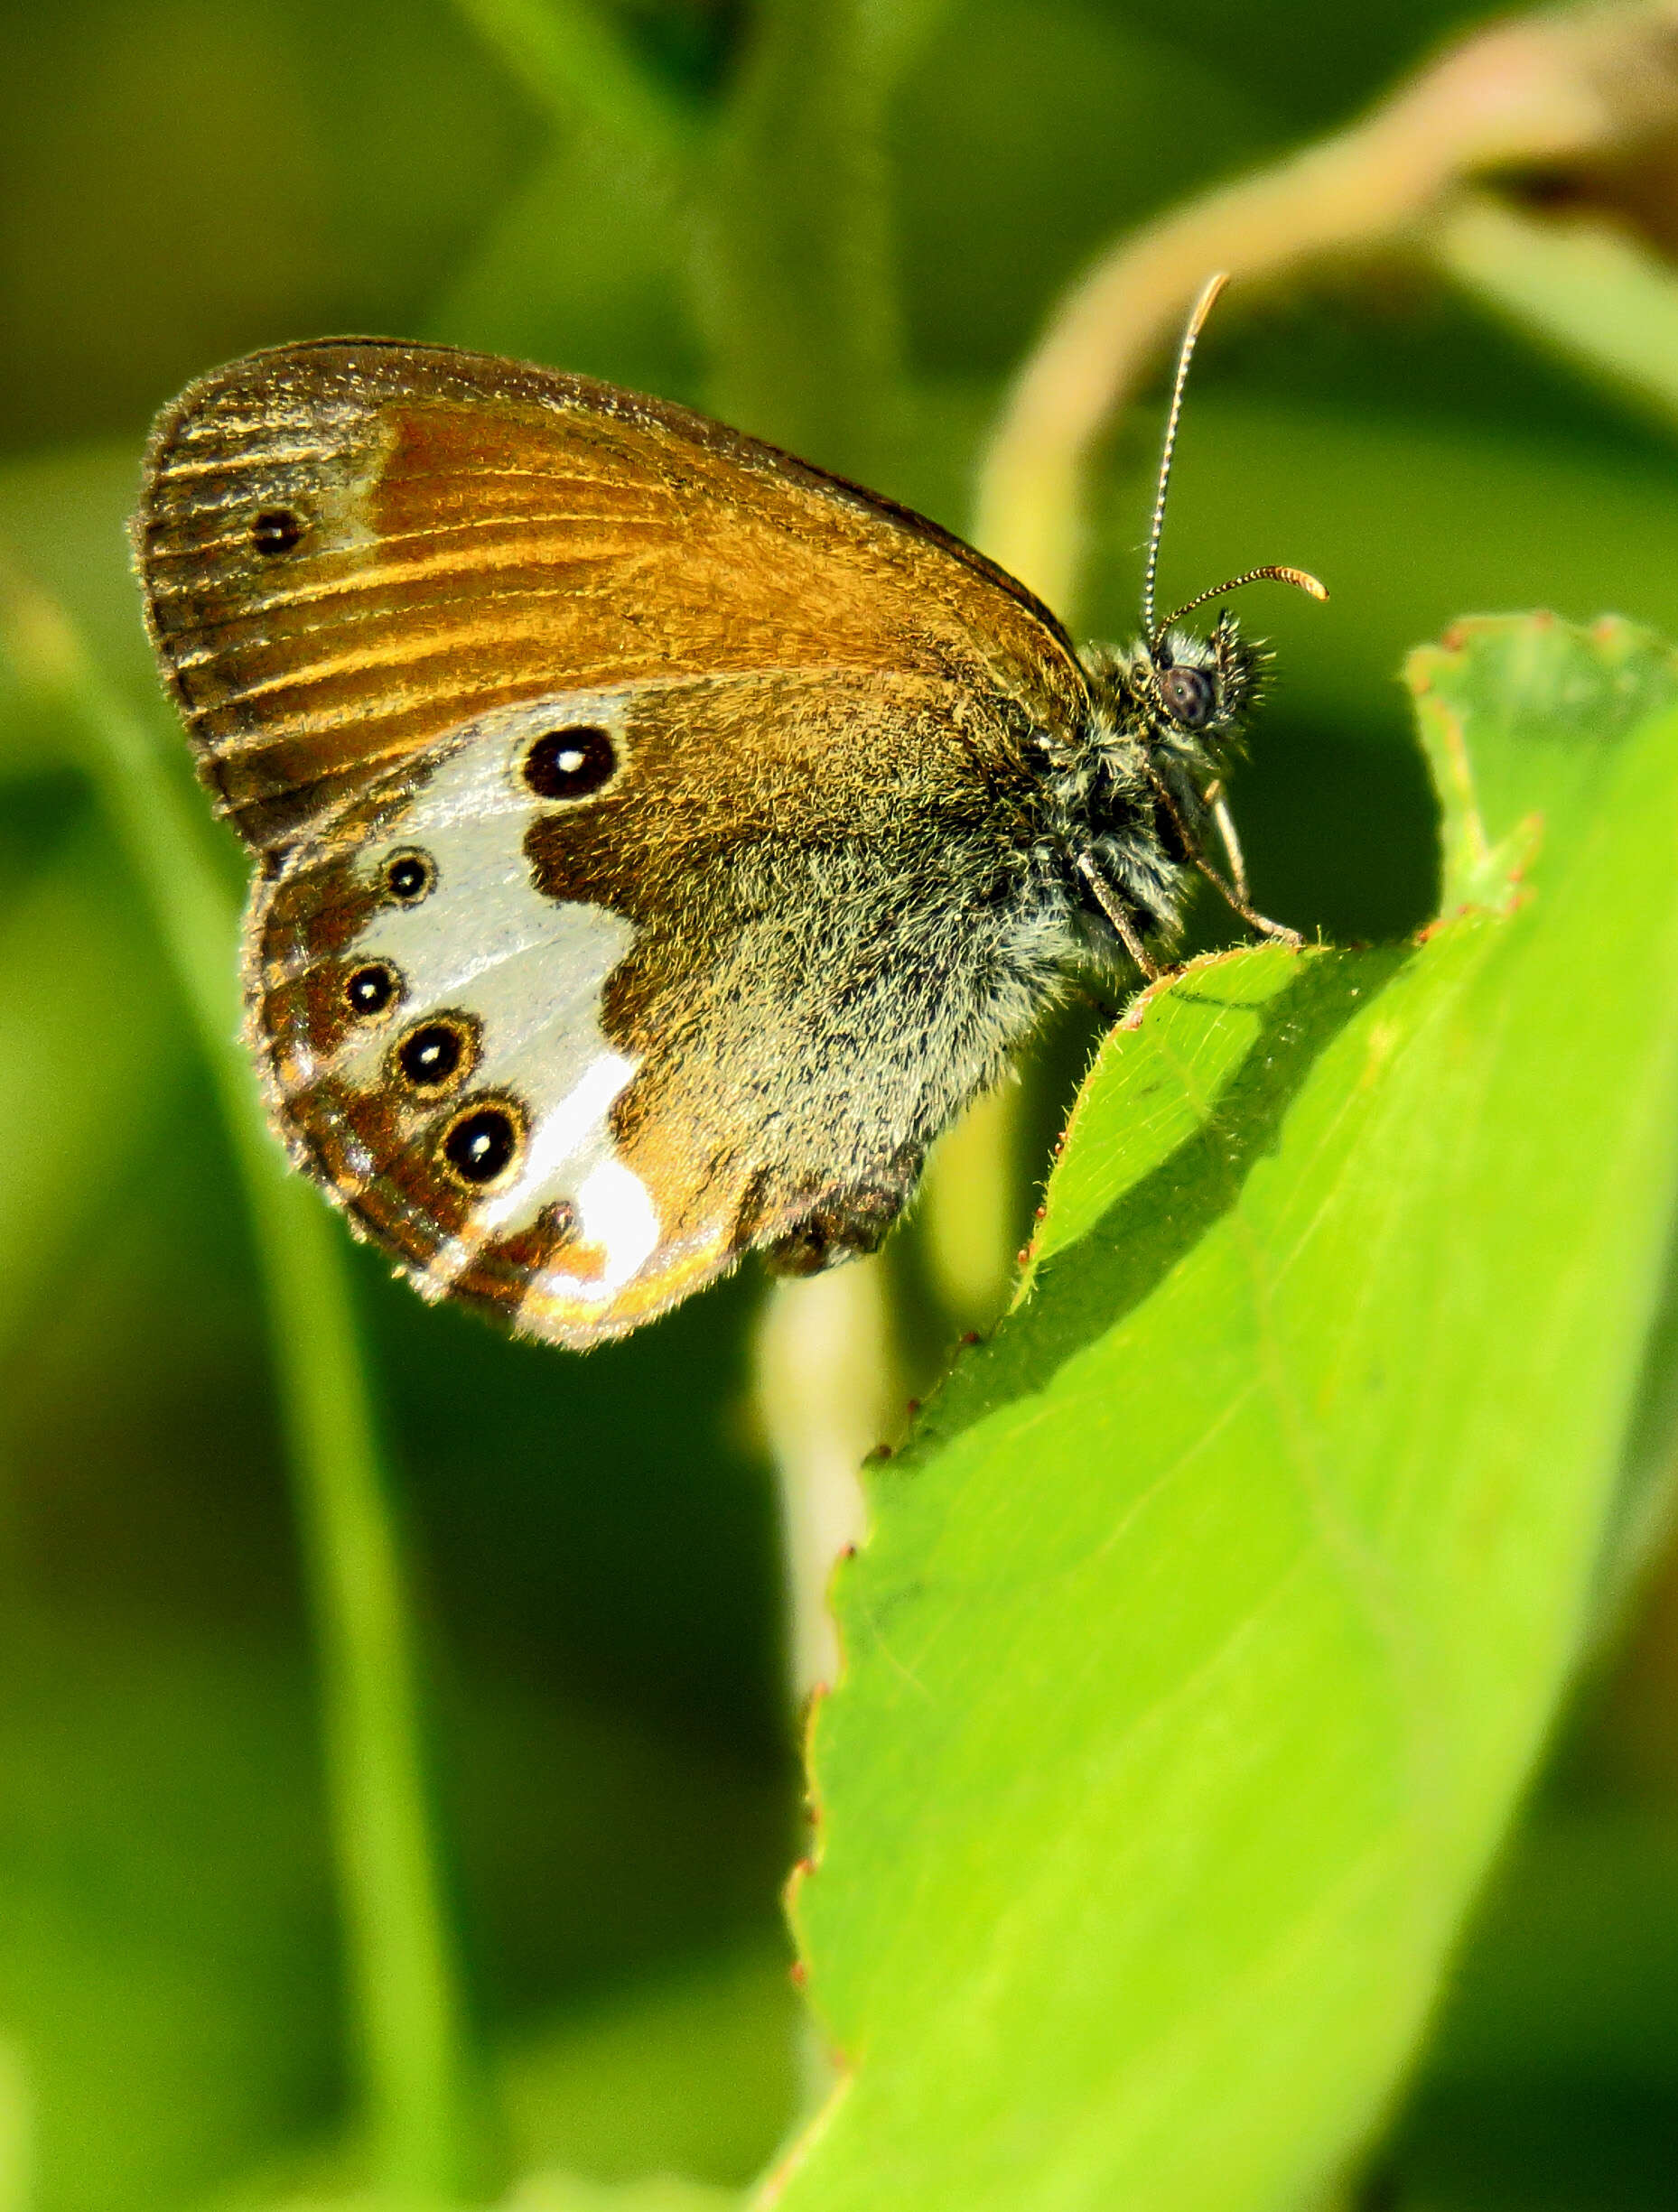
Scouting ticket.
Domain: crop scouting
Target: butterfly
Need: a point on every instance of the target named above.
(659, 841)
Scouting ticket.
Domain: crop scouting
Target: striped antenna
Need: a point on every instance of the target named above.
(1296, 577)
(1185, 354)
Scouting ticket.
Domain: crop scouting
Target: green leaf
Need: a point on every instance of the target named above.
(661, 2193)
(1211, 1626)
(1520, 733)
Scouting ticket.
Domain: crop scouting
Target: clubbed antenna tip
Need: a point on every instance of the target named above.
(1298, 578)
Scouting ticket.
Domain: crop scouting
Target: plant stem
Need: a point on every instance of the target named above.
(400, 1944)
(969, 1208)
(402, 1965)
(792, 274)
(570, 56)
(828, 1386)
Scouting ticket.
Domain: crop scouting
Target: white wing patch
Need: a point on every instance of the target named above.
(529, 970)
(619, 1216)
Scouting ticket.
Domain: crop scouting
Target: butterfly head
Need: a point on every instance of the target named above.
(1192, 694)
(1177, 698)
(1169, 714)
(1168, 717)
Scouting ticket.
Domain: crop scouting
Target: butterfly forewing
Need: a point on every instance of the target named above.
(349, 549)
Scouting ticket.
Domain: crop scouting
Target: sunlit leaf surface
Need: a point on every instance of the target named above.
(1211, 1623)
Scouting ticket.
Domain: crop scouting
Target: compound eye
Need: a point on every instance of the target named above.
(1187, 693)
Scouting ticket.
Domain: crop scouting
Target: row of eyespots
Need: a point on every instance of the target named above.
(563, 764)
(481, 1142)
(430, 1059)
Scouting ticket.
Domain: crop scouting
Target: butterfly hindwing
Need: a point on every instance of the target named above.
(571, 1011)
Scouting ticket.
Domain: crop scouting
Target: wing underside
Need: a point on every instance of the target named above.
(567, 1051)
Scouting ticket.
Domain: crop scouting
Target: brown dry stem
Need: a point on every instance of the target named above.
(826, 1389)
(1568, 92)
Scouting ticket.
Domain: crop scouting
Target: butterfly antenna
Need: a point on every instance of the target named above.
(1185, 354)
(1298, 578)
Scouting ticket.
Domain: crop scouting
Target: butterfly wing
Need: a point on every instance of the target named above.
(568, 1056)
(647, 818)
(349, 549)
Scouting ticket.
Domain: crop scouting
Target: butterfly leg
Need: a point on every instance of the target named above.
(1231, 844)
(1231, 896)
(1108, 900)
(847, 1220)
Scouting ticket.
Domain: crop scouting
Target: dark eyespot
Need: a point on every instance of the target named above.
(569, 763)
(275, 531)
(409, 876)
(437, 1054)
(1188, 694)
(482, 1141)
(369, 991)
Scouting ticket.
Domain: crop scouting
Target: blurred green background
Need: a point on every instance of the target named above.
(595, 1540)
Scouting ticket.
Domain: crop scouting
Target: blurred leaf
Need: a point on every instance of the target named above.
(1212, 1624)
(572, 59)
(794, 267)
(16, 2132)
(229, 173)
(400, 1940)
(1607, 303)
(92, 1047)
(553, 2192)
(1572, 1973)
(690, 2072)
(565, 2193)
(64, 518)
(166, 1964)
(1024, 134)
(586, 268)
(1310, 62)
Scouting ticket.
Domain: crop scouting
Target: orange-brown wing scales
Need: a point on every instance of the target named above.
(350, 549)
(683, 1012)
